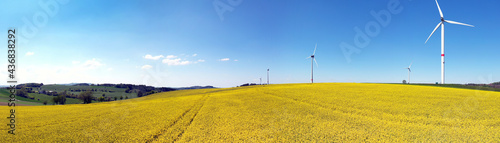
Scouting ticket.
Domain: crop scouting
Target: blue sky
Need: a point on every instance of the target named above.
(185, 43)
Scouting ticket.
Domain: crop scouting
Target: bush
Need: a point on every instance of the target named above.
(101, 99)
(151, 92)
(22, 93)
(86, 97)
(62, 99)
(55, 100)
(139, 94)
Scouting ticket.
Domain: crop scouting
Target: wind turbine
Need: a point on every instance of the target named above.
(409, 70)
(313, 59)
(442, 37)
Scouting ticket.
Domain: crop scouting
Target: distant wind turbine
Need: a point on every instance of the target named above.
(442, 37)
(312, 65)
(267, 76)
(409, 70)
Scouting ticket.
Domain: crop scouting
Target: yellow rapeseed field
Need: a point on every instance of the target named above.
(324, 112)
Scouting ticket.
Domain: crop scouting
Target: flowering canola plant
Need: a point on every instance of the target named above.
(320, 112)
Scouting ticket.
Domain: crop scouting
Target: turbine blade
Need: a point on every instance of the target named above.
(409, 69)
(454, 22)
(315, 48)
(308, 57)
(440, 12)
(410, 65)
(439, 24)
(316, 63)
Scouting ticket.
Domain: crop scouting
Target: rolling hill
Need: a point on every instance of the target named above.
(39, 93)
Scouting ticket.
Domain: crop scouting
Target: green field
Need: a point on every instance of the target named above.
(112, 91)
(48, 98)
(40, 98)
(4, 101)
(5, 94)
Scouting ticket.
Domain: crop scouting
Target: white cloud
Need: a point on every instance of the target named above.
(149, 57)
(92, 64)
(225, 59)
(172, 60)
(194, 55)
(171, 56)
(146, 67)
(176, 62)
(30, 53)
(235, 60)
(86, 71)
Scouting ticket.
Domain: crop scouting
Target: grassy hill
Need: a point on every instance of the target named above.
(325, 112)
(40, 98)
(108, 91)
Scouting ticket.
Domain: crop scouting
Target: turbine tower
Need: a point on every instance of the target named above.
(409, 70)
(442, 37)
(312, 65)
(267, 76)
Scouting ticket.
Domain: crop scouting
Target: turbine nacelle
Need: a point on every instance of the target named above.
(409, 70)
(445, 21)
(409, 67)
(312, 56)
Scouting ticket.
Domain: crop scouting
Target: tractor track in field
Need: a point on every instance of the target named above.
(177, 128)
(347, 110)
(190, 121)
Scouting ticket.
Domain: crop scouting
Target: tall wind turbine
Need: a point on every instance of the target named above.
(442, 37)
(313, 59)
(409, 70)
